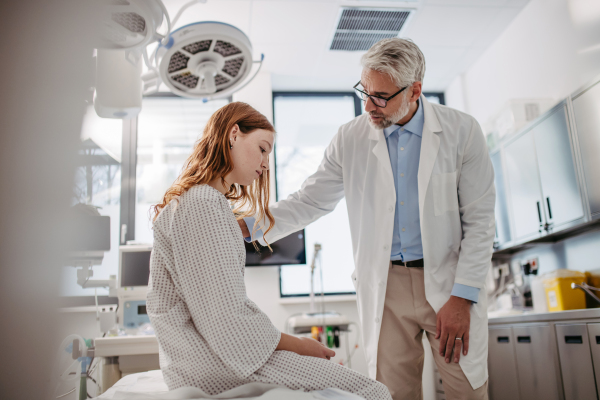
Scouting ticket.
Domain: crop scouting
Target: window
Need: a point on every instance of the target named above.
(305, 124)
(168, 128)
(98, 183)
(125, 167)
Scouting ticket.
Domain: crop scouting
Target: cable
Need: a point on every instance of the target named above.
(183, 8)
(166, 13)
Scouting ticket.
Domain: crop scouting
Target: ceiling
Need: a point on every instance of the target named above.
(294, 36)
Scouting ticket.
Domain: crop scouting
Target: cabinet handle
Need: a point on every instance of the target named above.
(574, 339)
(502, 339)
(549, 208)
(597, 339)
(524, 339)
(539, 212)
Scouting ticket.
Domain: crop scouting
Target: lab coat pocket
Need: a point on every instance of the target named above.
(445, 193)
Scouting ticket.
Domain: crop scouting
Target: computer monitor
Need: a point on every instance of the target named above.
(134, 265)
(288, 250)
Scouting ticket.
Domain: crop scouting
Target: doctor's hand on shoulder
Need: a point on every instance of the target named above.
(452, 328)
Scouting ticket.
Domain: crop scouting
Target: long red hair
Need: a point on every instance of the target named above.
(211, 159)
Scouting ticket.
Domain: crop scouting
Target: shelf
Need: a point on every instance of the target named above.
(549, 238)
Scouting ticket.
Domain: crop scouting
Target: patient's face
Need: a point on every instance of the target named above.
(380, 84)
(250, 155)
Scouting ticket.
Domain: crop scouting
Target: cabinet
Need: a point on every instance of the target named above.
(535, 355)
(522, 363)
(594, 336)
(586, 114)
(544, 193)
(501, 209)
(502, 365)
(576, 362)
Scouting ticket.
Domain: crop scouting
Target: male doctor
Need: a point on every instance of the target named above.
(419, 186)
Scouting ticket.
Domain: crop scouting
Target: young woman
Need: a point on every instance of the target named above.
(211, 335)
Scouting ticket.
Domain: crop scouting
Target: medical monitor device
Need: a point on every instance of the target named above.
(288, 250)
(134, 266)
(134, 272)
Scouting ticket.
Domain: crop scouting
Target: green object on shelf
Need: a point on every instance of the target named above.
(329, 331)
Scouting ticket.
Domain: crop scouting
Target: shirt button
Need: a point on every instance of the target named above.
(404, 250)
(391, 208)
(401, 148)
(401, 174)
(402, 128)
(382, 283)
(401, 203)
(385, 247)
(403, 229)
(377, 320)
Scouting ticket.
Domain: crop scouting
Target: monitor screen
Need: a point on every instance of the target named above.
(288, 250)
(135, 268)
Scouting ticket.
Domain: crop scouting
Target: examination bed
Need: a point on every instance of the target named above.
(151, 385)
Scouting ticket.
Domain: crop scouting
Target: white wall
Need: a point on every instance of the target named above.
(547, 52)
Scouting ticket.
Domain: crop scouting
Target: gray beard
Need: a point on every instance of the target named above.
(386, 122)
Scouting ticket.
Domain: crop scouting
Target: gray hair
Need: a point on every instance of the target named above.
(401, 59)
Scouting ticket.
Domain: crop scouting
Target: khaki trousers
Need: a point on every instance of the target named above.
(406, 315)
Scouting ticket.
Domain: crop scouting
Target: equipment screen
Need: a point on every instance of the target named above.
(289, 250)
(135, 268)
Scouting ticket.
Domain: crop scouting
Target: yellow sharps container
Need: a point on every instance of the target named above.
(559, 295)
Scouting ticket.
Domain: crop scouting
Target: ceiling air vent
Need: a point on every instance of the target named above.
(360, 28)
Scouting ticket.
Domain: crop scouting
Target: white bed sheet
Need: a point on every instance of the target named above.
(151, 385)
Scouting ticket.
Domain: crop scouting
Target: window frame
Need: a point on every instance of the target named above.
(357, 112)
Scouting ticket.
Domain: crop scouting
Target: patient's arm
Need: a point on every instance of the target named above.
(304, 346)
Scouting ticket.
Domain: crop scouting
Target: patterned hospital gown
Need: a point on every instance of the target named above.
(211, 335)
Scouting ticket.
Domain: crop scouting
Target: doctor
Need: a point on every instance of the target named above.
(418, 183)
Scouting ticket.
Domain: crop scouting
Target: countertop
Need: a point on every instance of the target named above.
(560, 316)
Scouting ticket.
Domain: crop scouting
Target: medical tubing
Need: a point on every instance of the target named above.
(64, 376)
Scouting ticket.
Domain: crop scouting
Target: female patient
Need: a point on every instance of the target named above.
(211, 335)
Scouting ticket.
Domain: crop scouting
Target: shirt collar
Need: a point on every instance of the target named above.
(415, 125)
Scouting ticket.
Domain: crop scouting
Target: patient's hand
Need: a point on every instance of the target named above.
(304, 346)
(313, 348)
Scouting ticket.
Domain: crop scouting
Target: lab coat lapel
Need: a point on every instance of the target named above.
(381, 152)
(430, 145)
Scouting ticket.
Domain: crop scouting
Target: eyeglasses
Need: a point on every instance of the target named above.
(380, 102)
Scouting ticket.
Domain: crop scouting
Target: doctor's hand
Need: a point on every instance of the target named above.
(453, 321)
(244, 227)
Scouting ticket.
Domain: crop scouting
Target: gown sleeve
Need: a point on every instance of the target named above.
(210, 274)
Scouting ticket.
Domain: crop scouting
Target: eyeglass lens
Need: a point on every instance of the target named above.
(379, 102)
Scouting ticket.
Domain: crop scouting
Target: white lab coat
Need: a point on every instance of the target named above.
(456, 205)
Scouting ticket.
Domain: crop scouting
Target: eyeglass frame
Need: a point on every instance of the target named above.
(379, 97)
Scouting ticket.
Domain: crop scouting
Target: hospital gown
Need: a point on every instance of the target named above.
(210, 335)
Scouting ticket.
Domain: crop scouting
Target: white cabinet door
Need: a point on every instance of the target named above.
(586, 107)
(576, 362)
(523, 178)
(562, 199)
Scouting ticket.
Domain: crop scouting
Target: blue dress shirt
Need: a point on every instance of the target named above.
(404, 148)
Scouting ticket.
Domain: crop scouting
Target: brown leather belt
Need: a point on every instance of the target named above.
(409, 264)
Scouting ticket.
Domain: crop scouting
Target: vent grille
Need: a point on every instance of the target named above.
(359, 29)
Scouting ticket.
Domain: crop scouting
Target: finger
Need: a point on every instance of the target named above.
(449, 346)
(457, 347)
(330, 353)
(438, 328)
(443, 340)
(466, 343)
